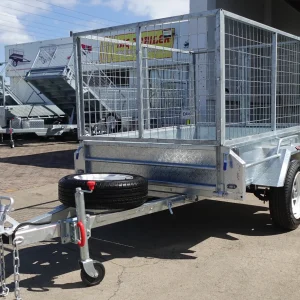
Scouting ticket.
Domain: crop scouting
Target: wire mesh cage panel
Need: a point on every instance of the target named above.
(288, 82)
(262, 78)
(152, 80)
(248, 79)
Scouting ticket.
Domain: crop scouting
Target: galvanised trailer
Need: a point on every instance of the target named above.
(234, 130)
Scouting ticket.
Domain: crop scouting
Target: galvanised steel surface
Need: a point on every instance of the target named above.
(210, 79)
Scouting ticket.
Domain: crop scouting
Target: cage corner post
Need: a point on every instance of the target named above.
(79, 86)
(274, 81)
(220, 77)
(194, 92)
(220, 96)
(3, 89)
(140, 81)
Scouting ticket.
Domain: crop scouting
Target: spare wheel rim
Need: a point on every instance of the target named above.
(103, 177)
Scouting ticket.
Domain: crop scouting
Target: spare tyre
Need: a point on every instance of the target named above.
(112, 191)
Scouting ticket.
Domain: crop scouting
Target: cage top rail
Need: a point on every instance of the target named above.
(186, 17)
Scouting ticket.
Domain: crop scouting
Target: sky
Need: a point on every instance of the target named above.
(23, 21)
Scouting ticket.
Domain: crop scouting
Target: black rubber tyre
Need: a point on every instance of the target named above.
(91, 281)
(108, 194)
(118, 121)
(280, 201)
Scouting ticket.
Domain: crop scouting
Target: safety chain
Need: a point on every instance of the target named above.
(16, 264)
(4, 289)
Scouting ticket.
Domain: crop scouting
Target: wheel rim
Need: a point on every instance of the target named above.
(296, 196)
(102, 177)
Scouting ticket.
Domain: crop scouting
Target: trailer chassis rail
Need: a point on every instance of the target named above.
(71, 225)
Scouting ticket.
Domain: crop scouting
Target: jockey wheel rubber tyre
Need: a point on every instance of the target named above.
(92, 281)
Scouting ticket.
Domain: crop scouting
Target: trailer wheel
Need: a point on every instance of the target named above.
(92, 281)
(113, 122)
(112, 191)
(285, 201)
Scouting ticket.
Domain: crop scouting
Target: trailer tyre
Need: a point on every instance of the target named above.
(112, 191)
(285, 201)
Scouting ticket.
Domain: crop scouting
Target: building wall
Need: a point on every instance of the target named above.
(276, 13)
(252, 9)
(202, 5)
(199, 5)
(285, 17)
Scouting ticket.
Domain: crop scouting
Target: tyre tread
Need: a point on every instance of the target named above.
(107, 194)
(280, 201)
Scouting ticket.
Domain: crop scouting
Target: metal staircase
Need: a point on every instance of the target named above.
(53, 75)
